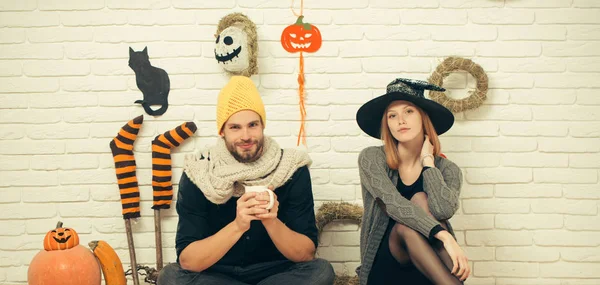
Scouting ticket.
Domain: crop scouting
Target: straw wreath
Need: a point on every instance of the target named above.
(475, 98)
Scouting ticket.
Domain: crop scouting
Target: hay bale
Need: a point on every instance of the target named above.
(332, 211)
(336, 211)
(346, 280)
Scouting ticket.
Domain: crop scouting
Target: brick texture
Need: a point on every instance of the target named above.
(529, 210)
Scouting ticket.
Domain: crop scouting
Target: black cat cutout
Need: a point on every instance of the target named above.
(152, 81)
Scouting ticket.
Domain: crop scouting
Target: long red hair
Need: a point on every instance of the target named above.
(390, 143)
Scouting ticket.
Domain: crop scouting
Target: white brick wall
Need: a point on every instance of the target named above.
(530, 154)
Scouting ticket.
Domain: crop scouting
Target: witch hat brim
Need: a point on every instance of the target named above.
(370, 114)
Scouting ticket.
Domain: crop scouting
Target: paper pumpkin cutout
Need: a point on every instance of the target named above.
(236, 45)
(301, 37)
(152, 81)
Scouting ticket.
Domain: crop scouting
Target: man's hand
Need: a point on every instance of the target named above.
(247, 210)
(293, 245)
(271, 214)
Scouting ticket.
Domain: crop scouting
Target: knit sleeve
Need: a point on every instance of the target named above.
(443, 189)
(373, 178)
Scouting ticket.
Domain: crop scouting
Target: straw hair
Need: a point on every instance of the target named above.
(241, 20)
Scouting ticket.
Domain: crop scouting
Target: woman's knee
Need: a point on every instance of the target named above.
(403, 231)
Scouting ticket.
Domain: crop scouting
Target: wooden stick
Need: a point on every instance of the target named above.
(158, 239)
(131, 246)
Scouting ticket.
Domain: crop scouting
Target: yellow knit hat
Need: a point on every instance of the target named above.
(239, 94)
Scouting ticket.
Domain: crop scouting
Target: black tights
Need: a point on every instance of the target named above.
(408, 245)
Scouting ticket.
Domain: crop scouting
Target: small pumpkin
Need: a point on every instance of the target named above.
(301, 36)
(61, 238)
(63, 261)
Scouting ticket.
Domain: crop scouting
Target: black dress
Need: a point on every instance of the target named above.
(386, 269)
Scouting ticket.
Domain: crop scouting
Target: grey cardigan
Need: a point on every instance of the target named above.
(442, 185)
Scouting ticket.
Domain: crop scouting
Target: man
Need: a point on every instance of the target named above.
(227, 236)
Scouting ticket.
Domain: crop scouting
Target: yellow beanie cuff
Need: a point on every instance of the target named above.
(239, 94)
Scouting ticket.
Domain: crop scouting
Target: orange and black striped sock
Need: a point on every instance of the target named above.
(122, 151)
(161, 163)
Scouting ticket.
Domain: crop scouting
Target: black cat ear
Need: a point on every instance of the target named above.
(130, 51)
(145, 50)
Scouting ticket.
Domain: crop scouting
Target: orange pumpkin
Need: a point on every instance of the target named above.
(61, 238)
(301, 37)
(65, 262)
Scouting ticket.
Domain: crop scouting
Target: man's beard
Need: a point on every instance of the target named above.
(246, 156)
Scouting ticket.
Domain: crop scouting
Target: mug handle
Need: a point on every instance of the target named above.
(271, 199)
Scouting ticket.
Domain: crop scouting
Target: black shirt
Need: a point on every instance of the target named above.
(199, 218)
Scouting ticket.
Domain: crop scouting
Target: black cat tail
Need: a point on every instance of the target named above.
(151, 112)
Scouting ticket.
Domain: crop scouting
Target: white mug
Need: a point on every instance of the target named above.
(259, 189)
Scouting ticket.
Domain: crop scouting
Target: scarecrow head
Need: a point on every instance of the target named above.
(236, 45)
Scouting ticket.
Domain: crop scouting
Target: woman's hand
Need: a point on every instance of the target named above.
(427, 147)
(460, 262)
(427, 153)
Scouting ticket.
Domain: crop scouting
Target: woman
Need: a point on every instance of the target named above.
(409, 190)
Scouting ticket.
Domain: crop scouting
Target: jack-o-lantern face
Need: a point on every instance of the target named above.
(301, 37)
(231, 50)
(61, 238)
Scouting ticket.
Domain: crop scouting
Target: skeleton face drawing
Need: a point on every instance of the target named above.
(231, 50)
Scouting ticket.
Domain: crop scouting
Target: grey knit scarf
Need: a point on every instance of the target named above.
(220, 176)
